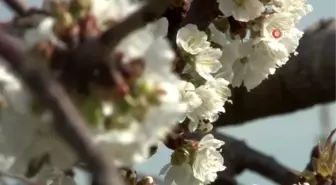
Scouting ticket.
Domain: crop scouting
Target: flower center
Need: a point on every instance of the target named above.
(239, 2)
(277, 33)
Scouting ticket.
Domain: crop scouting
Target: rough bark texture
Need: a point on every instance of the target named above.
(306, 80)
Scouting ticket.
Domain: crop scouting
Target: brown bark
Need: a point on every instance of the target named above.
(239, 156)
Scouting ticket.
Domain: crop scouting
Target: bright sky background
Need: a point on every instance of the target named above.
(288, 138)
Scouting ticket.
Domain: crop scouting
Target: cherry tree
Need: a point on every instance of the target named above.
(99, 84)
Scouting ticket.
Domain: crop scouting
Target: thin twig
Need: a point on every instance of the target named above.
(68, 121)
(18, 6)
(148, 12)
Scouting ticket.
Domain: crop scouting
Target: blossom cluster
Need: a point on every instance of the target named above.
(146, 98)
(266, 41)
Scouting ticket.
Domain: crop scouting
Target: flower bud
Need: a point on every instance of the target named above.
(146, 181)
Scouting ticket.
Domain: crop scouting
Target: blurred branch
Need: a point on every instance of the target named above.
(239, 157)
(68, 122)
(151, 10)
(18, 6)
(201, 13)
(197, 12)
(93, 51)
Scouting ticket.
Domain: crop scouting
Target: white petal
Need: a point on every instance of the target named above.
(192, 126)
(210, 141)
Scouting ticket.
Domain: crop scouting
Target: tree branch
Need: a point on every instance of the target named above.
(151, 10)
(201, 13)
(239, 157)
(18, 6)
(306, 80)
(68, 121)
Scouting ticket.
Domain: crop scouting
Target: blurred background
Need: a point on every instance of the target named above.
(288, 138)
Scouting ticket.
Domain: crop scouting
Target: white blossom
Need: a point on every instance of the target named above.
(203, 167)
(291, 40)
(207, 62)
(266, 56)
(249, 75)
(208, 160)
(298, 8)
(135, 44)
(103, 10)
(245, 62)
(26, 138)
(241, 10)
(190, 97)
(281, 27)
(248, 64)
(159, 28)
(6, 162)
(214, 93)
(43, 32)
(12, 90)
(191, 40)
(179, 175)
(277, 25)
(112, 10)
(23, 135)
(51, 176)
(270, 49)
(132, 144)
(231, 51)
